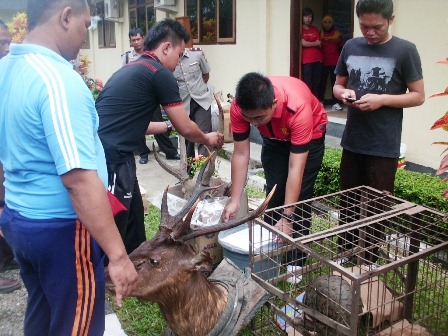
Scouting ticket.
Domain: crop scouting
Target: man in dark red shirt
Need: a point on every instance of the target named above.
(292, 123)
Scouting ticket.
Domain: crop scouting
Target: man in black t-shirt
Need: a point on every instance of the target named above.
(382, 74)
(125, 108)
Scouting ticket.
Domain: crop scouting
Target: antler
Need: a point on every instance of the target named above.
(214, 151)
(210, 167)
(180, 171)
(177, 222)
(227, 225)
(221, 115)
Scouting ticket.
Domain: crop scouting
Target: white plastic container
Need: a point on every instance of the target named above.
(236, 243)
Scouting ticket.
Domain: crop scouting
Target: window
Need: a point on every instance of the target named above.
(141, 14)
(106, 29)
(212, 21)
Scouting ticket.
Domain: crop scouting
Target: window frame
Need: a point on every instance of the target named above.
(219, 40)
(105, 27)
(133, 7)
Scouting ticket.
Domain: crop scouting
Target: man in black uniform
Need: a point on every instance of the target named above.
(125, 108)
(136, 38)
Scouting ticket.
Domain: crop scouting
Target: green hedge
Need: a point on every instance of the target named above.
(418, 188)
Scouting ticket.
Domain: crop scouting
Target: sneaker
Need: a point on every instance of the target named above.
(294, 278)
(336, 107)
(8, 285)
(143, 160)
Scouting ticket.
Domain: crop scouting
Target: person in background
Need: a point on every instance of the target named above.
(126, 106)
(292, 123)
(311, 53)
(331, 42)
(57, 217)
(383, 75)
(6, 255)
(192, 74)
(136, 38)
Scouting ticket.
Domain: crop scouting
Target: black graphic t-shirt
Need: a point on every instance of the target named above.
(378, 69)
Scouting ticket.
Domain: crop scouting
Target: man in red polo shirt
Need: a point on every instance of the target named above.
(292, 123)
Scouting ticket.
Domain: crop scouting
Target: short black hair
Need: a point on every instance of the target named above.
(254, 91)
(135, 32)
(383, 7)
(166, 30)
(308, 11)
(39, 11)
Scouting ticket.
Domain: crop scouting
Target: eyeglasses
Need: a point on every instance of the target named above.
(5, 41)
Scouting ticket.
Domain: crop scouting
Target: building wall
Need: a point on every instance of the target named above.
(426, 25)
(262, 44)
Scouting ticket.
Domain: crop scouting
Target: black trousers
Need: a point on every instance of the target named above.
(275, 161)
(358, 170)
(327, 70)
(202, 118)
(311, 73)
(123, 184)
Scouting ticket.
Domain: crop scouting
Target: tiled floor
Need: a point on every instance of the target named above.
(337, 114)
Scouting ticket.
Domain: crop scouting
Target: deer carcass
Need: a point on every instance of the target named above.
(173, 275)
(180, 171)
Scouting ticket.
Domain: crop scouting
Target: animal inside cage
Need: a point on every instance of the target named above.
(365, 263)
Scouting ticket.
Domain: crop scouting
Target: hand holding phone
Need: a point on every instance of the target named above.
(350, 99)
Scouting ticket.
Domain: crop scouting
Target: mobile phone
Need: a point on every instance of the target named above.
(350, 99)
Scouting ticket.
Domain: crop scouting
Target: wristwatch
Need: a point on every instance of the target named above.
(169, 127)
(291, 216)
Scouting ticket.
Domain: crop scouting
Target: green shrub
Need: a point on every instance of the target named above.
(327, 181)
(418, 188)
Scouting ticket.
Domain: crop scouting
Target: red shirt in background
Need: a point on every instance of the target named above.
(311, 54)
(331, 41)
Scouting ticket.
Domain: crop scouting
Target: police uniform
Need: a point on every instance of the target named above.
(129, 56)
(195, 93)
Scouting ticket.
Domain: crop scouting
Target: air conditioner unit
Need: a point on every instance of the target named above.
(111, 9)
(161, 3)
(165, 5)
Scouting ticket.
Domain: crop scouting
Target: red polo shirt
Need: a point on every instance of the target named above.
(298, 118)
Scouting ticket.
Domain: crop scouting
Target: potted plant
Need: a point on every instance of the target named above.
(442, 123)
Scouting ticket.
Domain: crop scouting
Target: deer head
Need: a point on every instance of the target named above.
(168, 256)
(173, 275)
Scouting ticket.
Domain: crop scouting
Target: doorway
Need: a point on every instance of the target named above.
(342, 12)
